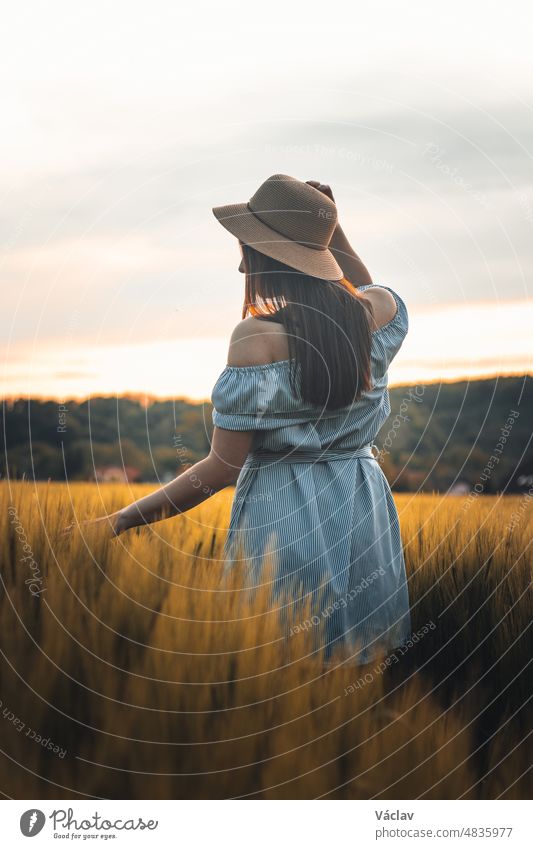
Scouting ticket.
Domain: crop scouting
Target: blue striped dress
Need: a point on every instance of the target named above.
(330, 527)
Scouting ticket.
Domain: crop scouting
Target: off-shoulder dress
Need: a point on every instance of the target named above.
(325, 514)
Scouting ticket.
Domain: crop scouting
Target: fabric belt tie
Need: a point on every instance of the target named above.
(255, 459)
(312, 455)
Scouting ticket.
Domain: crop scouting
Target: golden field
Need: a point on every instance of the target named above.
(133, 668)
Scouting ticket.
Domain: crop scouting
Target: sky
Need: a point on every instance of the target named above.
(125, 123)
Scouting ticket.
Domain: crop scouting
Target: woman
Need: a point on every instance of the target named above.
(296, 410)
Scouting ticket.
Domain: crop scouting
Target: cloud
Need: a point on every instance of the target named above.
(111, 167)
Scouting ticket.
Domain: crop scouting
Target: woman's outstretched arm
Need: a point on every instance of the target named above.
(219, 469)
(216, 471)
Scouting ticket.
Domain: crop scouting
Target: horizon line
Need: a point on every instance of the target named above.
(146, 397)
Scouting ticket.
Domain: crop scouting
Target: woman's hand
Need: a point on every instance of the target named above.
(115, 522)
(321, 187)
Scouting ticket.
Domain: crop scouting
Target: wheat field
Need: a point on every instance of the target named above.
(136, 668)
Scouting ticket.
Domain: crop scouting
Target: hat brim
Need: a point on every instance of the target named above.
(238, 219)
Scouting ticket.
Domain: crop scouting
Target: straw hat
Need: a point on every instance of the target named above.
(289, 221)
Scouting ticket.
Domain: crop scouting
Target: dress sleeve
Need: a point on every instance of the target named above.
(254, 398)
(388, 339)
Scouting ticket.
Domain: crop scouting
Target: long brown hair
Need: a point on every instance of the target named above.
(327, 324)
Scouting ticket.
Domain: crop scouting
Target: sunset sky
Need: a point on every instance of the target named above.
(124, 123)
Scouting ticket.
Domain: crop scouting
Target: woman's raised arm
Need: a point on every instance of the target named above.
(352, 265)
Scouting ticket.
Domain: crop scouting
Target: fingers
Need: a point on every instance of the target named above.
(69, 529)
(326, 190)
(115, 530)
(322, 187)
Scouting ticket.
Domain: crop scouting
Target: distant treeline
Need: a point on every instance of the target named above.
(475, 434)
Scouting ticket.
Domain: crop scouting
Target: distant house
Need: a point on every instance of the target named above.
(524, 481)
(459, 488)
(117, 474)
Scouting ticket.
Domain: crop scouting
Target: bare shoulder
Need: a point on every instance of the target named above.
(383, 304)
(255, 342)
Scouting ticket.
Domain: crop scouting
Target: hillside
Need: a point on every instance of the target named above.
(437, 436)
